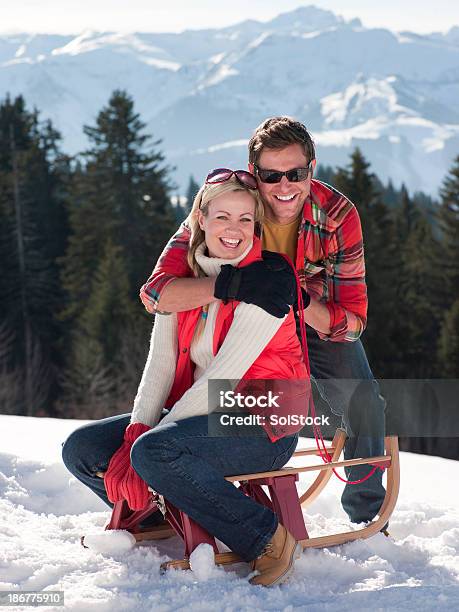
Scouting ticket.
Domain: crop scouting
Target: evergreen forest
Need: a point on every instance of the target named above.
(80, 234)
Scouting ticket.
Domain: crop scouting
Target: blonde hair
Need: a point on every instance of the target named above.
(205, 195)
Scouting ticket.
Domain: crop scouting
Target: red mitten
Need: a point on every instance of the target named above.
(121, 480)
(135, 490)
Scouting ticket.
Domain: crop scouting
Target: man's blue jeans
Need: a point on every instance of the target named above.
(346, 383)
(186, 466)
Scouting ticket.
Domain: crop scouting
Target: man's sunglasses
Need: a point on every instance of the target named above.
(220, 175)
(296, 175)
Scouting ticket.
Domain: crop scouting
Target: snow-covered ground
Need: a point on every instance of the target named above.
(44, 511)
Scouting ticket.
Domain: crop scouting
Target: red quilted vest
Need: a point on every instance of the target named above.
(281, 360)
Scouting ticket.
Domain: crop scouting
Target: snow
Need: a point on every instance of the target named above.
(162, 64)
(89, 41)
(224, 71)
(202, 563)
(368, 130)
(44, 511)
(362, 98)
(20, 51)
(116, 541)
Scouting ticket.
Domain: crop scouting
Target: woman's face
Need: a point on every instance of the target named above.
(229, 224)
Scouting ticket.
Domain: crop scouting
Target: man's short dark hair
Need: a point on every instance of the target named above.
(277, 133)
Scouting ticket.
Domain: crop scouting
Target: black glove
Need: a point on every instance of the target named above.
(269, 284)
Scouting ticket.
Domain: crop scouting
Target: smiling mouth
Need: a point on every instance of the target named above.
(286, 198)
(230, 243)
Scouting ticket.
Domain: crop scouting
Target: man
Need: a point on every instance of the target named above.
(320, 230)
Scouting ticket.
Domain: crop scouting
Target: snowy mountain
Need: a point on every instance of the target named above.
(392, 94)
(44, 511)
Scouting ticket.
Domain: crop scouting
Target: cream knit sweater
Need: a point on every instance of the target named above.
(250, 332)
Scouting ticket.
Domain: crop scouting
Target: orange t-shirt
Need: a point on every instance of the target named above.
(281, 238)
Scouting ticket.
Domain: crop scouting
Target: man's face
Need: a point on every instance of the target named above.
(283, 201)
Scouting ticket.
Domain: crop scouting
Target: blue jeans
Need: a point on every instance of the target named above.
(346, 383)
(187, 467)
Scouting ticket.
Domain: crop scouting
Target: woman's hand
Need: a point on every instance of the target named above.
(121, 480)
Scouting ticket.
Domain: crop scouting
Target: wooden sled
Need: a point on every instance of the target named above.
(283, 499)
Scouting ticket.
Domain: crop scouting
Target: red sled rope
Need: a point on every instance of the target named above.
(323, 452)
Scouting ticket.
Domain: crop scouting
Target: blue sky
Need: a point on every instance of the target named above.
(72, 16)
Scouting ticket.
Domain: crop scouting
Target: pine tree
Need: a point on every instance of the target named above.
(407, 215)
(417, 322)
(95, 375)
(325, 174)
(448, 222)
(191, 192)
(180, 210)
(448, 346)
(121, 193)
(414, 328)
(120, 219)
(389, 195)
(359, 185)
(32, 236)
(109, 304)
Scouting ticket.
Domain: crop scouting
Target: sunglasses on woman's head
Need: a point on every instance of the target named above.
(296, 175)
(220, 175)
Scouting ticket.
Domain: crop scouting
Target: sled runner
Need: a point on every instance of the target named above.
(283, 499)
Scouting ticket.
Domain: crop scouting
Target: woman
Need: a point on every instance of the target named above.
(178, 458)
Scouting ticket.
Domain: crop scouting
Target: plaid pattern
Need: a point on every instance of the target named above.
(329, 260)
(172, 264)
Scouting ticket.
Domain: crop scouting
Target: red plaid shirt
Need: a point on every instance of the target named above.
(330, 261)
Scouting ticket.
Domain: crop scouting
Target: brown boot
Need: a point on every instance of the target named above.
(275, 564)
